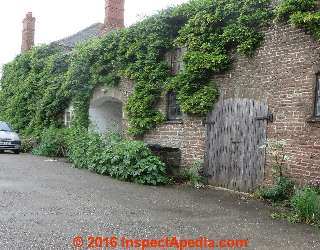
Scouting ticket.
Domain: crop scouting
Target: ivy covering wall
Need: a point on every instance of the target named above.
(39, 84)
(32, 95)
(301, 14)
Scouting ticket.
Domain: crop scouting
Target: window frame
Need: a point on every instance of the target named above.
(67, 117)
(174, 60)
(177, 116)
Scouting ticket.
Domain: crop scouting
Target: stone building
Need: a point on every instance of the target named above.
(275, 94)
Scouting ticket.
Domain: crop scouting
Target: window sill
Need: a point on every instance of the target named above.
(178, 121)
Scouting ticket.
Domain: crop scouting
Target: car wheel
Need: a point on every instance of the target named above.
(17, 151)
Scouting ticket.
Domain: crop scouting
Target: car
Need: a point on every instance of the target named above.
(9, 140)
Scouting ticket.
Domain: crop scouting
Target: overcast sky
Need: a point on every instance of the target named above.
(56, 19)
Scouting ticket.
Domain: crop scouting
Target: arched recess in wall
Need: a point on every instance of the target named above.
(106, 111)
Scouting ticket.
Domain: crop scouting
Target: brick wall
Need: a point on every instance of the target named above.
(28, 32)
(114, 15)
(283, 73)
(187, 134)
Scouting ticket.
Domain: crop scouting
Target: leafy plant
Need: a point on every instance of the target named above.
(289, 7)
(210, 36)
(302, 14)
(112, 155)
(276, 151)
(282, 190)
(53, 143)
(31, 94)
(28, 143)
(192, 174)
(39, 84)
(306, 206)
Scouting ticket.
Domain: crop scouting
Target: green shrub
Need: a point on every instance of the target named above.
(125, 160)
(28, 143)
(192, 175)
(52, 143)
(306, 205)
(302, 14)
(283, 190)
(84, 149)
(289, 7)
(39, 84)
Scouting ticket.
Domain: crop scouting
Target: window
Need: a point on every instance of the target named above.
(173, 109)
(68, 117)
(317, 98)
(174, 59)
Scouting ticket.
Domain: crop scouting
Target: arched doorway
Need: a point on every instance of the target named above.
(105, 114)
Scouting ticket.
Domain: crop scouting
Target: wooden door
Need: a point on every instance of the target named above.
(236, 130)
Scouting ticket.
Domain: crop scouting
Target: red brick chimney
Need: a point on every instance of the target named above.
(114, 17)
(28, 32)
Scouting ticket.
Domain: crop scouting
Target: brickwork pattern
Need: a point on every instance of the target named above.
(283, 73)
(114, 15)
(28, 32)
(187, 134)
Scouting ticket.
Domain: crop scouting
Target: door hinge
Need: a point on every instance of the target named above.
(268, 117)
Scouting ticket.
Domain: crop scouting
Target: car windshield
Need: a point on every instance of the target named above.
(5, 127)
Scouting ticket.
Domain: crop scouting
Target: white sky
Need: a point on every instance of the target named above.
(56, 19)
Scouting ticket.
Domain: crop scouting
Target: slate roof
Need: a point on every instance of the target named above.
(71, 41)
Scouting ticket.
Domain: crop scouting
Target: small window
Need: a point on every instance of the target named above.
(317, 99)
(175, 60)
(173, 109)
(68, 113)
(67, 119)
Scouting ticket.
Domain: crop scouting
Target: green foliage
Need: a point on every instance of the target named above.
(133, 161)
(84, 149)
(53, 143)
(37, 86)
(306, 206)
(28, 143)
(122, 159)
(276, 150)
(192, 174)
(308, 21)
(301, 14)
(281, 191)
(109, 155)
(31, 96)
(211, 36)
(290, 7)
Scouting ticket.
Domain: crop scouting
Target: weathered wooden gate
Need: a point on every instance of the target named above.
(236, 130)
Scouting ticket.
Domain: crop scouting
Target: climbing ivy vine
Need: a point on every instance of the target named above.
(38, 85)
(211, 36)
(302, 14)
(31, 94)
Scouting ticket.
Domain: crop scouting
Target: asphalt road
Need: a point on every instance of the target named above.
(45, 204)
